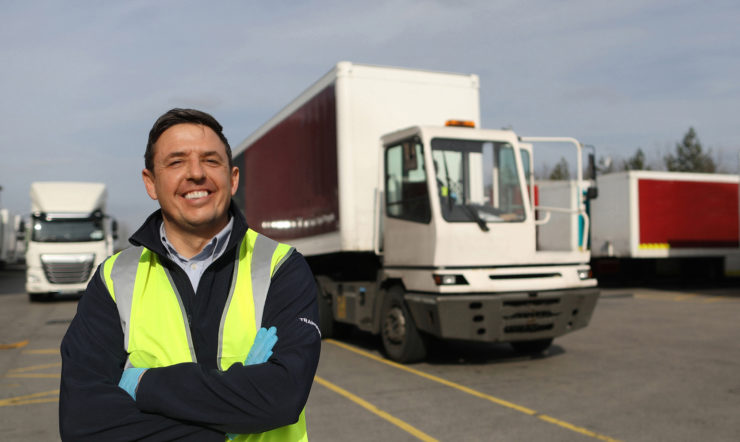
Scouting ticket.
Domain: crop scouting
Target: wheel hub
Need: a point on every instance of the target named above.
(395, 326)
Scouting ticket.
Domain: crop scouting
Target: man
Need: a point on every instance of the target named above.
(165, 343)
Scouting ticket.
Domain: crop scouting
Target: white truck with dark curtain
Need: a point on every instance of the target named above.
(415, 222)
(69, 235)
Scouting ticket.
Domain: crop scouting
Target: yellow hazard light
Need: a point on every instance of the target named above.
(459, 123)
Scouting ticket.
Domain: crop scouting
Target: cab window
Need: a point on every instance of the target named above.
(406, 194)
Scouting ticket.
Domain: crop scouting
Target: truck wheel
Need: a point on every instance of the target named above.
(531, 347)
(37, 297)
(401, 340)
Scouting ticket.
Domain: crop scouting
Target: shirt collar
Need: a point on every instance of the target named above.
(213, 249)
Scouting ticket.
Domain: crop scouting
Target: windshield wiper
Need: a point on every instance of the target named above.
(449, 184)
(476, 217)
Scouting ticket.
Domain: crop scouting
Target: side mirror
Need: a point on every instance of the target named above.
(592, 166)
(593, 192)
(409, 156)
(20, 235)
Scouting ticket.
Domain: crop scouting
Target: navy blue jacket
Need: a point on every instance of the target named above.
(190, 401)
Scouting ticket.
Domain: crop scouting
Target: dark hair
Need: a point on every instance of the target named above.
(177, 116)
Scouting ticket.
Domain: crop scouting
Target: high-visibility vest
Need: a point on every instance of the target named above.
(155, 325)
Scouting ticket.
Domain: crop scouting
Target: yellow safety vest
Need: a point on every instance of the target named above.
(155, 324)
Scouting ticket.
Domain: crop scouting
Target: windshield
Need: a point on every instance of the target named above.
(477, 181)
(67, 230)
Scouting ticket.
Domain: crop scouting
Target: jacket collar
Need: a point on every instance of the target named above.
(148, 234)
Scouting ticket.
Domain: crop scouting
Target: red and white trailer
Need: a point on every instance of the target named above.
(661, 216)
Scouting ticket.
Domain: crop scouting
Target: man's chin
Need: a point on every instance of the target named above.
(206, 225)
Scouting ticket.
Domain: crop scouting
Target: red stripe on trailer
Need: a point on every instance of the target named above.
(688, 214)
(290, 182)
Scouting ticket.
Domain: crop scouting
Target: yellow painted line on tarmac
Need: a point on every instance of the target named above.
(575, 428)
(451, 384)
(35, 367)
(686, 297)
(21, 372)
(43, 351)
(713, 299)
(18, 344)
(650, 296)
(475, 393)
(33, 375)
(372, 408)
(35, 398)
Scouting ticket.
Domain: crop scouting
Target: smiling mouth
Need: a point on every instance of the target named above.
(196, 194)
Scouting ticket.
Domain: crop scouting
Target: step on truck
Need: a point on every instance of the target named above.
(69, 235)
(415, 222)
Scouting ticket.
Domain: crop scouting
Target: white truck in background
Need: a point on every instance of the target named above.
(69, 235)
(11, 242)
(414, 227)
(11, 238)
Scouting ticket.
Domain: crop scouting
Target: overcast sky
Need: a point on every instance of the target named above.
(83, 81)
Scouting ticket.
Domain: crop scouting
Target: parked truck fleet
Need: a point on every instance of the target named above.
(415, 221)
(418, 223)
(69, 234)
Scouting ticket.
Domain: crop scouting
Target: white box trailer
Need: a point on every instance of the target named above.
(10, 247)
(69, 235)
(339, 120)
(653, 217)
(412, 228)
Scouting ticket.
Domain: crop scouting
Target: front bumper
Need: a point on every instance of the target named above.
(503, 317)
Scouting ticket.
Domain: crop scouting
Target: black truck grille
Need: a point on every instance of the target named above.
(533, 315)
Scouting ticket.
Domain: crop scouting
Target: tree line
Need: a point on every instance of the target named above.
(689, 156)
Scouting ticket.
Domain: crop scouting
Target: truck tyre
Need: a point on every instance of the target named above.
(536, 346)
(37, 297)
(401, 339)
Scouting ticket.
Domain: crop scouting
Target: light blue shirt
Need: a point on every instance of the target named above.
(195, 266)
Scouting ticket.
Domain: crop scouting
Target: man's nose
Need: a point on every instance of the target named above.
(195, 169)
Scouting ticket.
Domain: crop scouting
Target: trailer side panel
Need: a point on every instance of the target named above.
(289, 174)
(688, 214)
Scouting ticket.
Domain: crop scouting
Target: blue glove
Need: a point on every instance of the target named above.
(130, 380)
(259, 353)
(262, 347)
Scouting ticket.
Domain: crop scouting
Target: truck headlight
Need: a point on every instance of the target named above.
(449, 279)
(585, 274)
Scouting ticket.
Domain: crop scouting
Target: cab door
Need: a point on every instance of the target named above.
(408, 236)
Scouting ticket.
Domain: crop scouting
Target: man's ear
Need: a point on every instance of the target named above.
(234, 180)
(148, 177)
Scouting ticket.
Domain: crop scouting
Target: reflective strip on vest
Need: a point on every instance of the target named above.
(151, 310)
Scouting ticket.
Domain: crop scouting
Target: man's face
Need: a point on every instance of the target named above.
(192, 180)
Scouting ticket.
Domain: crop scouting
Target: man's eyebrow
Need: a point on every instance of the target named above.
(180, 154)
(175, 155)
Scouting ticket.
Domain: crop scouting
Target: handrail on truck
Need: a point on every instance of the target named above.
(579, 179)
(377, 219)
(548, 212)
